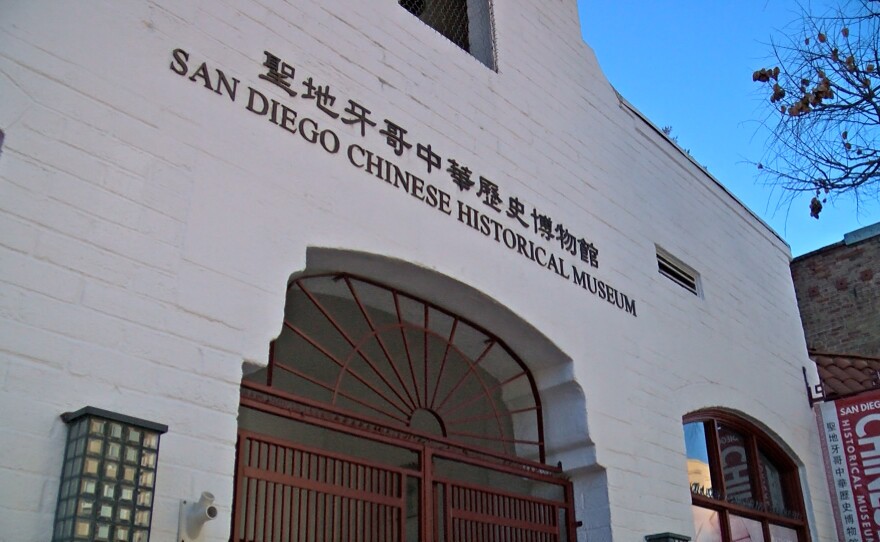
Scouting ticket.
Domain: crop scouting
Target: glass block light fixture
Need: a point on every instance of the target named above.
(108, 478)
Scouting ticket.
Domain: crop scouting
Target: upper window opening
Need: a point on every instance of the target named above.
(678, 272)
(466, 23)
(742, 484)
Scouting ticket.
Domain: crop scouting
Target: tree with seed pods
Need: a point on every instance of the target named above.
(823, 99)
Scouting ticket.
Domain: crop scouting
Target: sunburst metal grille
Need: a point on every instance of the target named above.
(380, 353)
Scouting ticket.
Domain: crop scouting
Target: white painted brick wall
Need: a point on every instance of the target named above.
(148, 227)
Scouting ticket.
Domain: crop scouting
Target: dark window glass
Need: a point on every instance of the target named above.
(771, 480)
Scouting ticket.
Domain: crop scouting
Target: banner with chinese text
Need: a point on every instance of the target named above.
(850, 429)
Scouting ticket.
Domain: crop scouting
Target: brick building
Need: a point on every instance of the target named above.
(838, 293)
(379, 271)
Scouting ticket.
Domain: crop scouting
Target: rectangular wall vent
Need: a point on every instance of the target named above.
(678, 272)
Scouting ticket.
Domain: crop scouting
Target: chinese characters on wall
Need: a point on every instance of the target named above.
(445, 182)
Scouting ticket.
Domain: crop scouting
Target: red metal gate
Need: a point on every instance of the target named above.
(291, 492)
(454, 410)
(478, 514)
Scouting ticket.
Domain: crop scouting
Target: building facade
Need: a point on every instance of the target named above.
(838, 291)
(384, 271)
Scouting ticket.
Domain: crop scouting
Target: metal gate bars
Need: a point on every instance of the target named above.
(294, 494)
(290, 492)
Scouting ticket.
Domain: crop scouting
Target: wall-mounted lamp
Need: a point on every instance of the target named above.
(108, 478)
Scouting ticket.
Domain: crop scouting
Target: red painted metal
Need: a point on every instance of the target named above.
(339, 328)
(279, 403)
(318, 346)
(427, 511)
(443, 362)
(464, 377)
(412, 370)
(488, 515)
(381, 342)
(410, 378)
(289, 492)
(467, 402)
(320, 384)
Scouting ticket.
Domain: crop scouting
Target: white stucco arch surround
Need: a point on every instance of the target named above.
(564, 406)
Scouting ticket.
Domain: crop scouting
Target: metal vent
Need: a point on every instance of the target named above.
(679, 273)
(466, 23)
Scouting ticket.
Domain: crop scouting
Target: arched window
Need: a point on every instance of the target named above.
(743, 486)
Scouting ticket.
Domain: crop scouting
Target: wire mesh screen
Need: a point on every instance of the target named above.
(466, 23)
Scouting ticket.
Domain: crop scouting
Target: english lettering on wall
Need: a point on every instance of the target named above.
(472, 199)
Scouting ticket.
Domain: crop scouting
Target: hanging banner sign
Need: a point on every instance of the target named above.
(851, 445)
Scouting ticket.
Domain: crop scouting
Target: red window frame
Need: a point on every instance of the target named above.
(756, 443)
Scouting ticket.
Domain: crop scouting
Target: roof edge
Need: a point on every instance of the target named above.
(852, 238)
(646, 120)
(820, 250)
(812, 353)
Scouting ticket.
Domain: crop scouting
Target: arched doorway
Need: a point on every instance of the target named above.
(383, 417)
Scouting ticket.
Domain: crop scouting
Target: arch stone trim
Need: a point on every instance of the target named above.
(552, 369)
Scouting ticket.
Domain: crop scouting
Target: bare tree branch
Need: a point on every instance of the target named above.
(824, 106)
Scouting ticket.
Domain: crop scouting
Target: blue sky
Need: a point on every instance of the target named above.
(688, 64)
